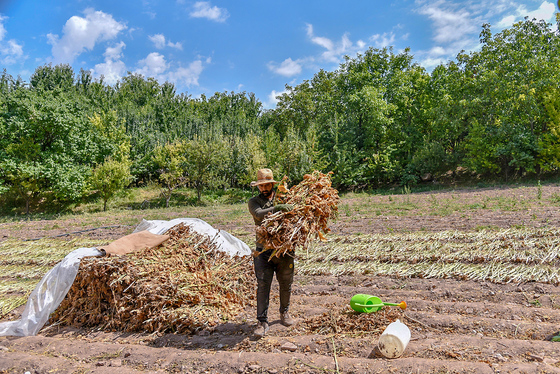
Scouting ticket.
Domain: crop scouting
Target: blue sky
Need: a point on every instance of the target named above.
(212, 46)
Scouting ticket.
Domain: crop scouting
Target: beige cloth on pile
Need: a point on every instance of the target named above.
(134, 242)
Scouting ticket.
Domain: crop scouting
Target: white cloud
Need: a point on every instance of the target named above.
(546, 12)
(450, 21)
(12, 48)
(112, 71)
(153, 65)
(438, 51)
(160, 42)
(80, 34)
(287, 68)
(2, 28)
(335, 50)
(507, 21)
(114, 53)
(203, 9)
(441, 54)
(113, 68)
(456, 26)
(10, 51)
(175, 45)
(382, 40)
(189, 75)
(323, 42)
(430, 63)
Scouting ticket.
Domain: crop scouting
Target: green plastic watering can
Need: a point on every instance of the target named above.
(363, 303)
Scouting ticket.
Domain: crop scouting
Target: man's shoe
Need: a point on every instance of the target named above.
(285, 319)
(261, 330)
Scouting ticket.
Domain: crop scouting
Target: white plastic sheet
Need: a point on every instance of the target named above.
(48, 294)
(54, 286)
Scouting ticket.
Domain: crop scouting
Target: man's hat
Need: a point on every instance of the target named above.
(264, 176)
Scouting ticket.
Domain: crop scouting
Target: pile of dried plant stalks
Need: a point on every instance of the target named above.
(182, 286)
(315, 201)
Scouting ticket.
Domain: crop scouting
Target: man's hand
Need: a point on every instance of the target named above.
(283, 207)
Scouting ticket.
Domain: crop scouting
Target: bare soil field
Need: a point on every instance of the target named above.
(457, 325)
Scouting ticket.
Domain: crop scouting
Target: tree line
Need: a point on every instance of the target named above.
(379, 119)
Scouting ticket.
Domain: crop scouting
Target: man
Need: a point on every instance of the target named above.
(265, 267)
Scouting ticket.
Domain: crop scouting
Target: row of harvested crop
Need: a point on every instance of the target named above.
(414, 248)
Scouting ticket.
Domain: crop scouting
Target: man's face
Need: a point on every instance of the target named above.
(266, 189)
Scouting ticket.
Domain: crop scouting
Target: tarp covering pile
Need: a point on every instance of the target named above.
(315, 201)
(181, 286)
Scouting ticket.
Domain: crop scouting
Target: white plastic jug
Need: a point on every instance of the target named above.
(394, 340)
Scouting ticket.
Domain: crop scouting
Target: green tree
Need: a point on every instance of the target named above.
(230, 113)
(549, 143)
(110, 178)
(48, 78)
(505, 85)
(109, 136)
(112, 145)
(237, 158)
(254, 158)
(23, 178)
(46, 131)
(365, 114)
(204, 159)
(169, 160)
(440, 148)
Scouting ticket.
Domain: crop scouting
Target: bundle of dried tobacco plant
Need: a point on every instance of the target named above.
(315, 201)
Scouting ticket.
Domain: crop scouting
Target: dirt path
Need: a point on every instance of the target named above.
(456, 326)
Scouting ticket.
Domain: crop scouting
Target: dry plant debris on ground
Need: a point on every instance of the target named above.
(343, 320)
(315, 201)
(183, 285)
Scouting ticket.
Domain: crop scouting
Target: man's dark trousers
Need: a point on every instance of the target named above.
(283, 266)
